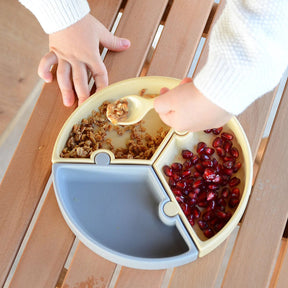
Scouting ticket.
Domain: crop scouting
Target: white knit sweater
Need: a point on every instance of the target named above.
(248, 48)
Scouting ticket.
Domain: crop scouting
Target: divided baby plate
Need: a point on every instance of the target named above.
(124, 209)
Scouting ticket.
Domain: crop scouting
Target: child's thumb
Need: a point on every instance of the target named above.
(113, 42)
(162, 104)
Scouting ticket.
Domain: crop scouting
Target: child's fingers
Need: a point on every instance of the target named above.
(65, 83)
(185, 80)
(44, 68)
(80, 80)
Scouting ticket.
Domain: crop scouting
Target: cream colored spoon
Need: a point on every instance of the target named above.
(137, 108)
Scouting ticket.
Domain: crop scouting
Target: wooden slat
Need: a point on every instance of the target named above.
(180, 38)
(139, 24)
(283, 276)
(48, 258)
(131, 278)
(204, 272)
(31, 164)
(88, 270)
(266, 215)
(28, 173)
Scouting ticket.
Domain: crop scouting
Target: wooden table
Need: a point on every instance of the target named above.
(37, 247)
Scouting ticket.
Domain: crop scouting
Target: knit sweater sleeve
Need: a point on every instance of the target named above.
(248, 53)
(56, 15)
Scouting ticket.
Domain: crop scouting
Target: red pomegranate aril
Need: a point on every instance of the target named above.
(235, 192)
(194, 159)
(236, 167)
(176, 177)
(187, 154)
(202, 224)
(211, 195)
(196, 174)
(176, 192)
(202, 204)
(207, 163)
(228, 216)
(217, 142)
(197, 190)
(228, 164)
(167, 170)
(181, 184)
(209, 151)
(176, 166)
(208, 131)
(234, 181)
(213, 186)
(199, 168)
(191, 201)
(202, 196)
(217, 131)
(225, 192)
(227, 136)
(185, 173)
(234, 152)
(226, 171)
(227, 146)
(208, 232)
(191, 220)
(221, 202)
(185, 208)
(228, 158)
(212, 204)
(187, 164)
(193, 195)
(233, 202)
(204, 157)
(171, 182)
(200, 147)
(220, 214)
(180, 199)
(197, 183)
(218, 226)
(208, 215)
(196, 212)
(217, 179)
(220, 151)
(209, 174)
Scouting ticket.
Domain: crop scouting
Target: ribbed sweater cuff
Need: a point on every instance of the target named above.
(57, 15)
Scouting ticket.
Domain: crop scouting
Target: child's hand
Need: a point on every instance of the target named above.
(76, 51)
(184, 108)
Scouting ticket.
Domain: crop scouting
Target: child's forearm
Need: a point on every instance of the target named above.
(57, 15)
(248, 53)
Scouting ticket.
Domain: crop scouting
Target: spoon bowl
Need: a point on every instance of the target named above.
(137, 108)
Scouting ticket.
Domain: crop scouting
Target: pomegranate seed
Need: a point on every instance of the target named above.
(197, 190)
(228, 164)
(209, 151)
(203, 204)
(220, 151)
(191, 201)
(180, 199)
(187, 164)
(204, 157)
(167, 170)
(200, 147)
(176, 166)
(235, 192)
(176, 192)
(228, 158)
(191, 220)
(193, 195)
(202, 196)
(221, 202)
(226, 136)
(185, 173)
(218, 226)
(197, 183)
(185, 208)
(171, 182)
(181, 184)
(202, 224)
(217, 142)
(228, 216)
(220, 214)
(217, 131)
(226, 171)
(225, 192)
(199, 168)
(196, 174)
(196, 212)
(208, 216)
(213, 186)
(217, 179)
(176, 177)
(212, 204)
(234, 182)
(227, 146)
(209, 174)
(194, 159)
(236, 167)
(234, 152)
(207, 163)
(208, 131)
(187, 154)
(211, 195)
(208, 232)
(233, 202)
